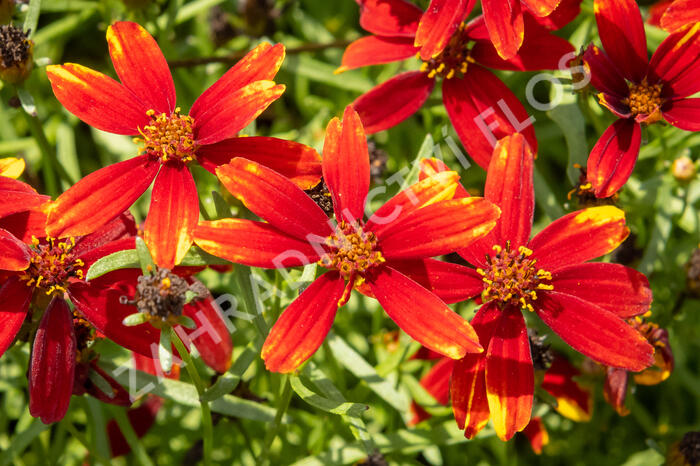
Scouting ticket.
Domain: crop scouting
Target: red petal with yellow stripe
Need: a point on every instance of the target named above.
(504, 20)
(438, 23)
(14, 254)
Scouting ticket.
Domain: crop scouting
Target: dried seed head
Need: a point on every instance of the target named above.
(16, 58)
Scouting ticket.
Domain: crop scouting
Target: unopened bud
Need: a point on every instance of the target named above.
(683, 169)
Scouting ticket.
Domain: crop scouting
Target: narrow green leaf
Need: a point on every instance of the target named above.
(197, 257)
(301, 388)
(425, 151)
(230, 380)
(22, 441)
(135, 319)
(127, 259)
(567, 115)
(27, 101)
(131, 438)
(31, 19)
(165, 350)
(144, 256)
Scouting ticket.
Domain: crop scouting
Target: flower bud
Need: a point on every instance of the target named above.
(683, 169)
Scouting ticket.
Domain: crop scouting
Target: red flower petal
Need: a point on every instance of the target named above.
(389, 17)
(437, 383)
(91, 256)
(274, 198)
(99, 302)
(542, 8)
(529, 57)
(303, 326)
(14, 254)
(679, 14)
(376, 50)
(24, 225)
(579, 237)
(422, 315)
(298, 162)
(509, 186)
(100, 197)
(438, 23)
(676, 62)
(450, 282)
(622, 33)
(614, 287)
(438, 229)
(510, 377)
(9, 184)
(123, 226)
(97, 99)
(391, 102)
(573, 401)
(594, 332)
(225, 117)
(172, 216)
(141, 66)
(613, 157)
(504, 20)
(684, 114)
(483, 110)
(260, 64)
(615, 389)
(566, 12)
(15, 297)
(468, 385)
(536, 434)
(211, 337)
(432, 166)
(436, 188)
(346, 165)
(255, 244)
(52, 367)
(603, 73)
(16, 196)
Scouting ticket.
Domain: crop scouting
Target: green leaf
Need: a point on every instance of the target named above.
(144, 256)
(127, 259)
(300, 385)
(197, 257)
(230, 380)
(323, 72)
(31, 19)
(165, 350)
(27, 101)
(567, 115)
(131, 438)
(425, 151)
(22, 441)
(135, 319)
(186, 321)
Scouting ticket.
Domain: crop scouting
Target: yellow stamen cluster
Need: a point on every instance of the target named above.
(512, 277)
(352, 251)
(169, 137)
(52, 264)
(453, 60)
(644, 99)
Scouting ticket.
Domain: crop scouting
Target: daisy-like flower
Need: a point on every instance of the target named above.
(480, 106)
(638, 90)
(548, 275)
(416, 223)
(143, 105)
(41, 273)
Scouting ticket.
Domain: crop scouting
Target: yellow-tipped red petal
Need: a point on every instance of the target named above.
(422, 315)
(542, 8)
(346, 165)
(97, 99)
(14, 254)
(260, 64)
(376, 50)
(255, 244)
(100, 197)
(510, 379)
(395, 18)
(15, 297)
(537, 434)
(172, 216)
(579, 237)
(225, 117)
(438, 228)
(298, 162)
(594, 332)
(303, 326)
(504, 20)
(573, 401)
(141, 66)
(11, 167)
(274, 198)
(680, 14)
(438, 23)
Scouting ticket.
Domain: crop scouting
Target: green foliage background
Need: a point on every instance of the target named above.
(353, 397)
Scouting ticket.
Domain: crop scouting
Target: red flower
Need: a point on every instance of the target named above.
(22, 209)
(144, 104)
(482, 109)
(638, 90)
(41, 273)
(584, 303)
(674, 15)
(416, 223)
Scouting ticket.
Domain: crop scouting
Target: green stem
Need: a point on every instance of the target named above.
(207, 425)
(47, 167)
(282, 406)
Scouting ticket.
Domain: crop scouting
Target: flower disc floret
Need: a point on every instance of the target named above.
(169, 137)
(352, 251)
(52, 264)
(453, 60)
(644, 99)
(512, 277)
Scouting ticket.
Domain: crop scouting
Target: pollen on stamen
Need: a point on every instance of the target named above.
(351, 251)
(511, 277)
(168, 137)
(52, 265)
(645, 99)
(454, 59)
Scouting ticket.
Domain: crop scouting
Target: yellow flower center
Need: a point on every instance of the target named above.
(644, 99)
(169, 137)
(453, 60)
(352, 251)
(512, 277)
(52, 264)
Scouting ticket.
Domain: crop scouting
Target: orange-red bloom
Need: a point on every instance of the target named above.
(674, 15)
(416, 223)
(482, 109)
(584, 303)
(640, 91)
(143, 104)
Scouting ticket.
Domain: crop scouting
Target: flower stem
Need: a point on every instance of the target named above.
(282, 406)
(207, 425)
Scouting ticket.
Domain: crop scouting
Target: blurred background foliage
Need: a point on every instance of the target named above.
(353, 397)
